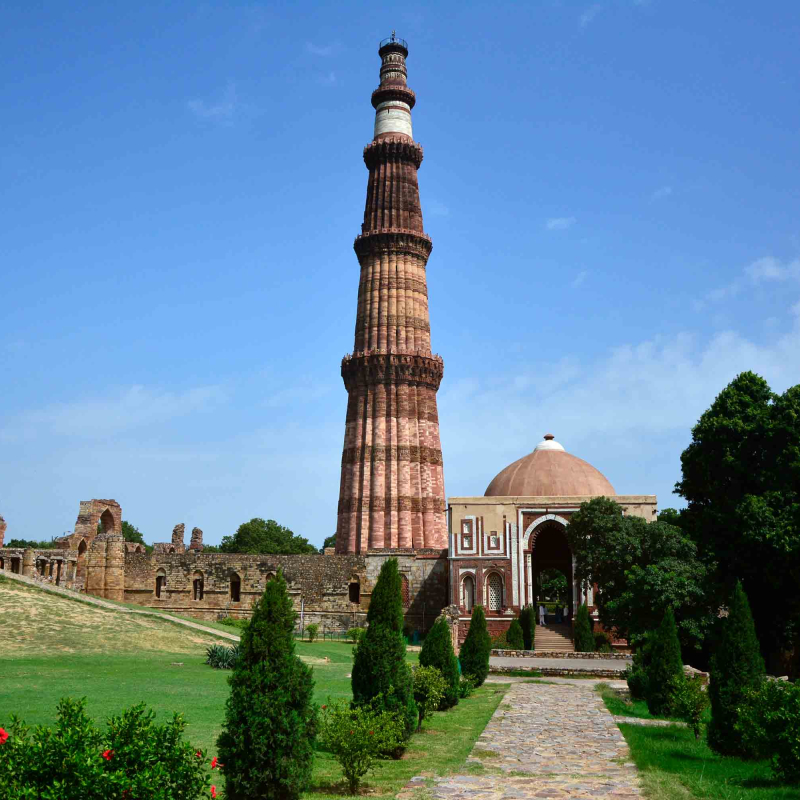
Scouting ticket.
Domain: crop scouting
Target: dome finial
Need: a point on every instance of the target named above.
(549, 436)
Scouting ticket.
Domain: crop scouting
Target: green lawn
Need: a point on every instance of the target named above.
(675, 766)
(55, 647)
(620, 707)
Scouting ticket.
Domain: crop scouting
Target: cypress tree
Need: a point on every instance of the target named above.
(267, 739)
(665, 671)
(584, 638)
(477, 648)
(437, 651)
(736, 667)
(379, 657)
(514, 637)
(527, 621)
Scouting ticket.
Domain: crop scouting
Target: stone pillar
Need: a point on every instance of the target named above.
(177, 538)
(115, 568)
(95, 582)
(3, 527)
(451, 616)
(197, 539)
(27, 563)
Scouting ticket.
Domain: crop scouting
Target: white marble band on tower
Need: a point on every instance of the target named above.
(393, 116)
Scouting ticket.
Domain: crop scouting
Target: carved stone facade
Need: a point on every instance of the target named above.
(3, 527)
(392, 481)
(499, 545)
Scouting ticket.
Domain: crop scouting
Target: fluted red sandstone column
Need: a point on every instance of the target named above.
(392, 485)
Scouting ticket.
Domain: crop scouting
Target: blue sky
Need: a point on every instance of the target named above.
(611, 189)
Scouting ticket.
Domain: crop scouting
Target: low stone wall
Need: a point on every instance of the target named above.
(561, 672)
(560, 654)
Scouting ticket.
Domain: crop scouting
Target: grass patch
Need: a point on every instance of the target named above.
(55, 647)
(676, 766)
(441, 749)
(621, 707)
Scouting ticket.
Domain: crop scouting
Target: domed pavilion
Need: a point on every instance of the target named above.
(502, 542)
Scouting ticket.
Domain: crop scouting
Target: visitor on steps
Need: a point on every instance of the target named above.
(566, 614)
(541, 615)
(558, 614)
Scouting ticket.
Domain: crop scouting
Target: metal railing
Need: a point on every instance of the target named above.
(394, 40)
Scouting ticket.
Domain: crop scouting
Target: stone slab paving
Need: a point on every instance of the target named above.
(544, 741)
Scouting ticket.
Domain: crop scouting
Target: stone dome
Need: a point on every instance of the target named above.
(550, 471)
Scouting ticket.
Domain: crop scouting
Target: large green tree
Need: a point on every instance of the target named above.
(642, 569)
(330, 541)
(741, 480)
(265, 536)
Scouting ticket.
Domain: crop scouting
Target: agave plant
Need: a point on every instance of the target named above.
(221, 657)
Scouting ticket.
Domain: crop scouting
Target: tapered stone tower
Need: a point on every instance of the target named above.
(392, 486)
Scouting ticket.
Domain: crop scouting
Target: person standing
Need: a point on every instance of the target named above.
(566, 614)
(541, 615)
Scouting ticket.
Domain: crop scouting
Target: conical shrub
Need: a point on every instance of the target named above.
(527, 621)
(736, 667)
(477, 648)
(584, 638)
(437, 651)
(267, 739)
(381, 678)
(514, 637)
(665, 671)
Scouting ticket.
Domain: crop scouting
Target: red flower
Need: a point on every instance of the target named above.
(215, 763)
(3, 736)
(324, 707)
(371, 732)
(108, 754)
(213, 791)
(199, 755)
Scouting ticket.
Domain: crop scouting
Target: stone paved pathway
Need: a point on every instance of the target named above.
(542, 742)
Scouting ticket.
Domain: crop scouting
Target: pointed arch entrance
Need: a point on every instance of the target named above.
(550, 555)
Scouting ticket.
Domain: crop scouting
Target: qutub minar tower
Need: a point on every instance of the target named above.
(392, 485)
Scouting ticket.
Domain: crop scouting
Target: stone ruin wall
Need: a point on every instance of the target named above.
(104, 565)
(318, 584)
(65, 565)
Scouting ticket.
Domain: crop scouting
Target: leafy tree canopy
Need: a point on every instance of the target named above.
(642, 568)
(741, 479)
(26, 543)
(330, 541)
(265, 536)
(552, 584)
(130, 533)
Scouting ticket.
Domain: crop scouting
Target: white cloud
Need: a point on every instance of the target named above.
(560, 223)
(762, 270)
(587, 17)
(125, 409)
(629, 409)
(436, 208)
(321, 50)
(579, 279)
(327, 80)
(771, 269)
(660, 194)
(222, 111)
